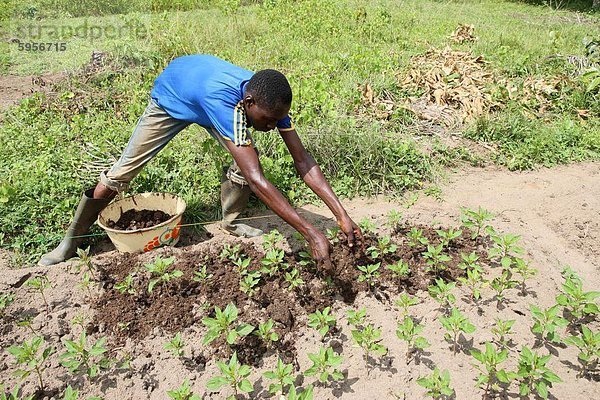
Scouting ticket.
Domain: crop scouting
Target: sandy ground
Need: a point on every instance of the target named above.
(13, 88)
(556, 211)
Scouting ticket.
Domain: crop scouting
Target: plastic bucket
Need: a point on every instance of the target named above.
(145, 239)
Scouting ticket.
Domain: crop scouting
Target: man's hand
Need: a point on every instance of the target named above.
(351, 231)
(320, 249)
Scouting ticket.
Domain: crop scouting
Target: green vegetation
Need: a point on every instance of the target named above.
(409, 331)
(32, 358)
(222, 325)
(454, 324)
(184, 392)
(175, 345)
(353, 43)
(322, 321)
(159, 269)
(81, 355)
(282, 374)
(234, 374)
(325, 365)
(437, 384)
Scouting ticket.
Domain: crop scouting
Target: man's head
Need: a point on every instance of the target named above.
(267, 99)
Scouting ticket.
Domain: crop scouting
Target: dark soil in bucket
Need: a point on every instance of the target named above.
(182, 302)
(131, 220)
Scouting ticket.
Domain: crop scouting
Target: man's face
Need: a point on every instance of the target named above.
(260, 118)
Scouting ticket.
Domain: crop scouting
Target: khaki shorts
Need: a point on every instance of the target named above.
(154, 130)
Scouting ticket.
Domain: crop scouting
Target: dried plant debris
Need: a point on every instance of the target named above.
(455, 86)
(463, 34)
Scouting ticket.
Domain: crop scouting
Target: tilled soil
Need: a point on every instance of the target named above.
(183, 302)
(131, 220)
(555, 211)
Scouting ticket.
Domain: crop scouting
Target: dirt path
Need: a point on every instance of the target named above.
(14, 88)
(556, 211)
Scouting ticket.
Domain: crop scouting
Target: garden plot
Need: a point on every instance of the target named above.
(424, 304)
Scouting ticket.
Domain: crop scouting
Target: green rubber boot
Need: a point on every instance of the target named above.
(234, 198)
(86, 214)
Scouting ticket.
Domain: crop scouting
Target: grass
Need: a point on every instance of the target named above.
(326, 48)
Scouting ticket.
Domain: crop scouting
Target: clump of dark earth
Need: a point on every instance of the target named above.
(183, 302)
(138, 219)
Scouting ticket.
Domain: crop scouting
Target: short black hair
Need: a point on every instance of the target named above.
(270, 89)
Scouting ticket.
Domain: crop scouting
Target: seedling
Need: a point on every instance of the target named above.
(222, 325)
(332, 234)
(293, 278)
(126, 286)
(416, 238)
(369, 273)
(273, 262)
(83, 354)
(521, 267)
(27, 322)
(475, 282)
(159, 268)
(533, 375)
(408, 331)
(271, 239)
(505, 246)
(442, 293)
(241, 264)
(502, 283)
(13, 395)
(357, 318)
(405, 301)
(501, 330)
(448, 236)
(201, 275)
(367, 226)
(384, 246)
(469, 262)
(394, 218)
(437, 384)
(306, 394)
(436, 258)
(490, 376)
(282, 374)
(589, 347)
(546, 322)
(325, 365)
(85, 261)
(70, 394)
(454, 324)
(183, 392)
(401, 269)
(6, 300)
(306, 259)
(31, 358)
(230, 252)
(39, 284)
(475, 221)
(175, 345)
(249, 282)
(123, 326)
(322, 321)
(574, 299)
(79, 320)
(234, 374)
(86, 282)
(368, 339)
(267, 333)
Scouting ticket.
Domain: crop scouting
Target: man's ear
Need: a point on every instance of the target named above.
(249, 100)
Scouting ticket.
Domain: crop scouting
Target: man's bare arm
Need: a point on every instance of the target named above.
(311, 173)
(247, 160)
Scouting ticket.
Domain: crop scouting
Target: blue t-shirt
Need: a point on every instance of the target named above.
(208, 91)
